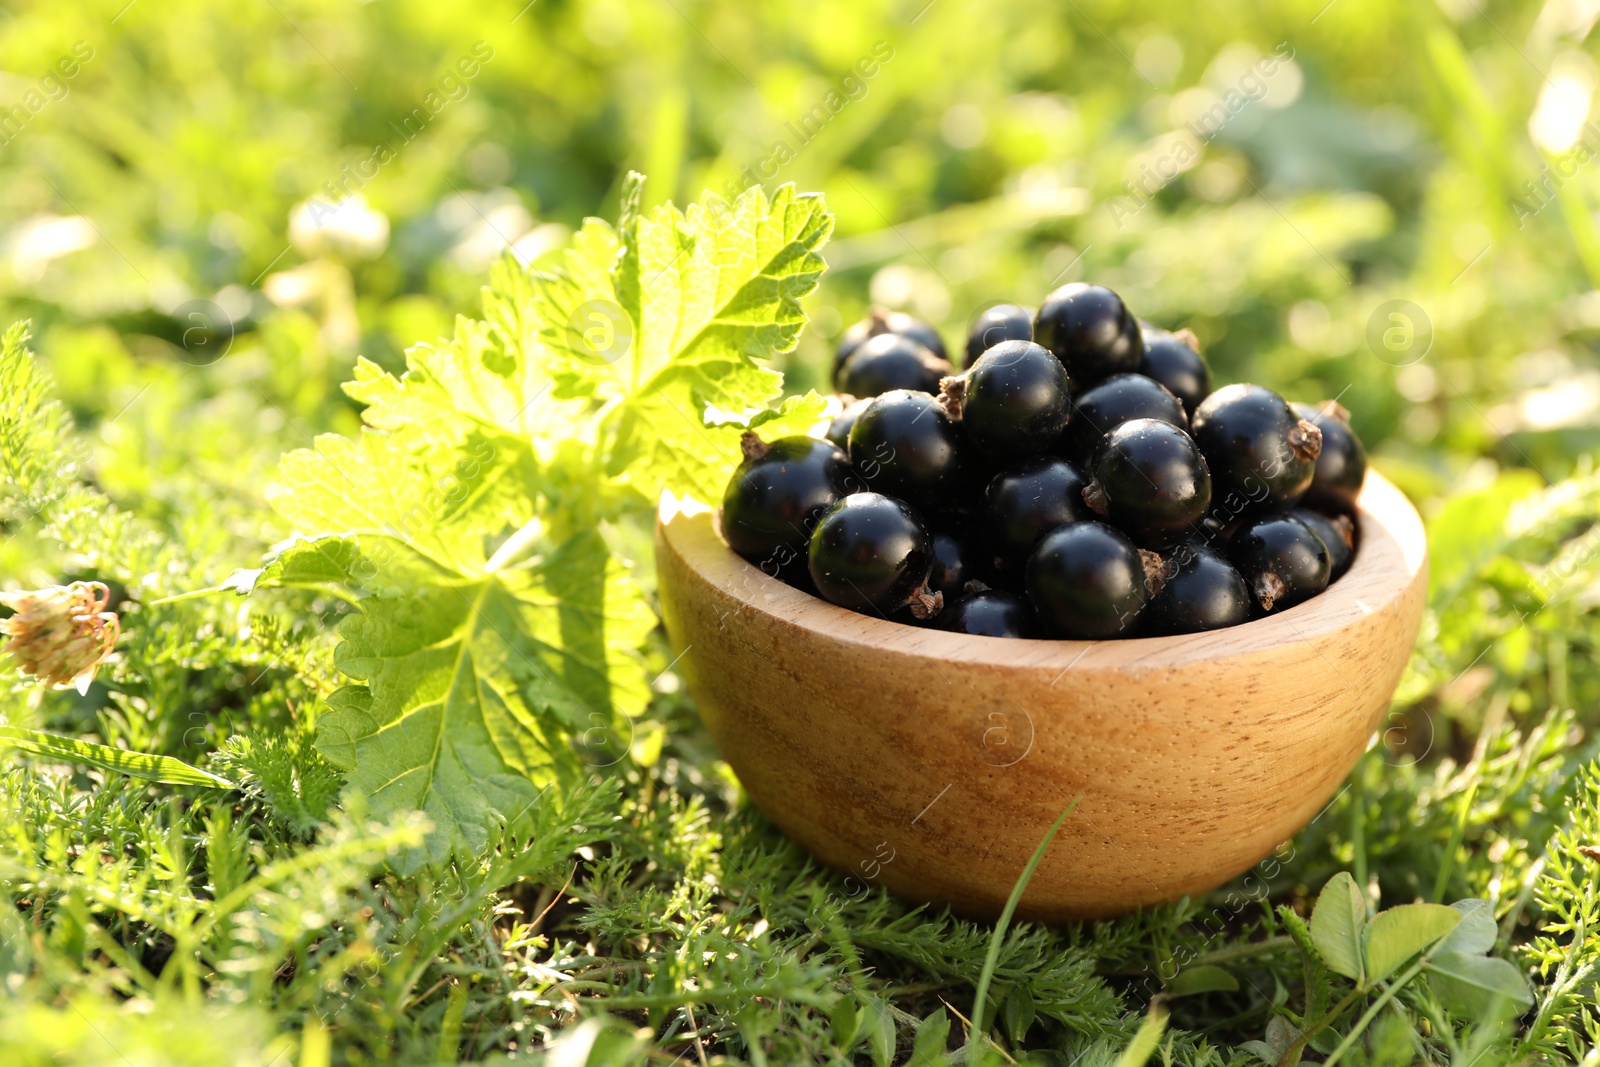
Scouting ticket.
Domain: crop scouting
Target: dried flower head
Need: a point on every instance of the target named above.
(61, 634)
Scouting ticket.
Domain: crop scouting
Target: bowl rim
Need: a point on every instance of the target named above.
(1391, 551)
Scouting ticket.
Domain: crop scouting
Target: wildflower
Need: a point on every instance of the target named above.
(61, 634)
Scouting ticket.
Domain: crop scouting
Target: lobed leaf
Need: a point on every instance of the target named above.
(469, 689)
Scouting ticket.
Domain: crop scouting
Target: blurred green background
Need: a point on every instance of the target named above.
(1426, 152)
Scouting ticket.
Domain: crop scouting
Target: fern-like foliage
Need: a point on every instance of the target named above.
(39, 454)
(286, 774)
(1565, 955)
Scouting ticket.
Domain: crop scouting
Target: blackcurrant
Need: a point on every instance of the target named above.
(1202, 591)
(905, 445)
(1026, 501)
(880, 321)
(871, 553)
(839, 427)
(1149, 478)
(1262, 455)
(890, 361)
(1090, 330)
(1282, 561)
(1337, 533)
(1120, 398)
(990, 613)
(1342, 463)
(1174, 360)
(956, 561)
(776, 496)
(1014, 401)
(1087, 581)
(1002, 322)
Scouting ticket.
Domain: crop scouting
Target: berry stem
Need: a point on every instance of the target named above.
(1095, 497)
(1305, 441)
(1155, 571)
(1269, 587)
(952, 395)
(925, 605)
(1187, 336)
(752, 445)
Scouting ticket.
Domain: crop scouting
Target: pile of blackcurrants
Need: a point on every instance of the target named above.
(1079, 480)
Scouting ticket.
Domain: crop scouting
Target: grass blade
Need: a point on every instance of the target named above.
(980, 1002)
(1143, 1045)
(135, 764)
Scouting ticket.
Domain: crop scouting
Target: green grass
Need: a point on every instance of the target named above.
(637, 909)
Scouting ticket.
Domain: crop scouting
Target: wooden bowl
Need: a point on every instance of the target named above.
(932, 763)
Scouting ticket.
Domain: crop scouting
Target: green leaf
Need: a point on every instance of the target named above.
(332, 562)
(1017, 1013)
(932, 1034)
(479, 380)
(1397, 934)
(793, 418)
(1144, 1042)
(1477, 932)
(1202, 979)
(685, 304)
(1262, 1051)
(471, 687)
(1337, 923)
(1479, 987)
(431, 499)
(845, 1022)
(579, 391)
(879, 1026)
(134, 764)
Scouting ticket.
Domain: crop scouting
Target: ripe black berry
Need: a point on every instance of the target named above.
(1338, 534)
(907, 446)
(1203, 591)
(881, 321)
(1262, 455)
(1174, 360)
(1027, 501)
(871, 553)
(1087, 581)
(775, 497)
(990, 613)
(839, 428)
(1281, 560)
(1120, 398)
(1014, 401)
(1150, 479)
(1002, 322)
(890, 361)
(1342, 463)
(956, 561)
(1090, 330)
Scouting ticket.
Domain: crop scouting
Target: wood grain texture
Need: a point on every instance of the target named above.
(1195, 756)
